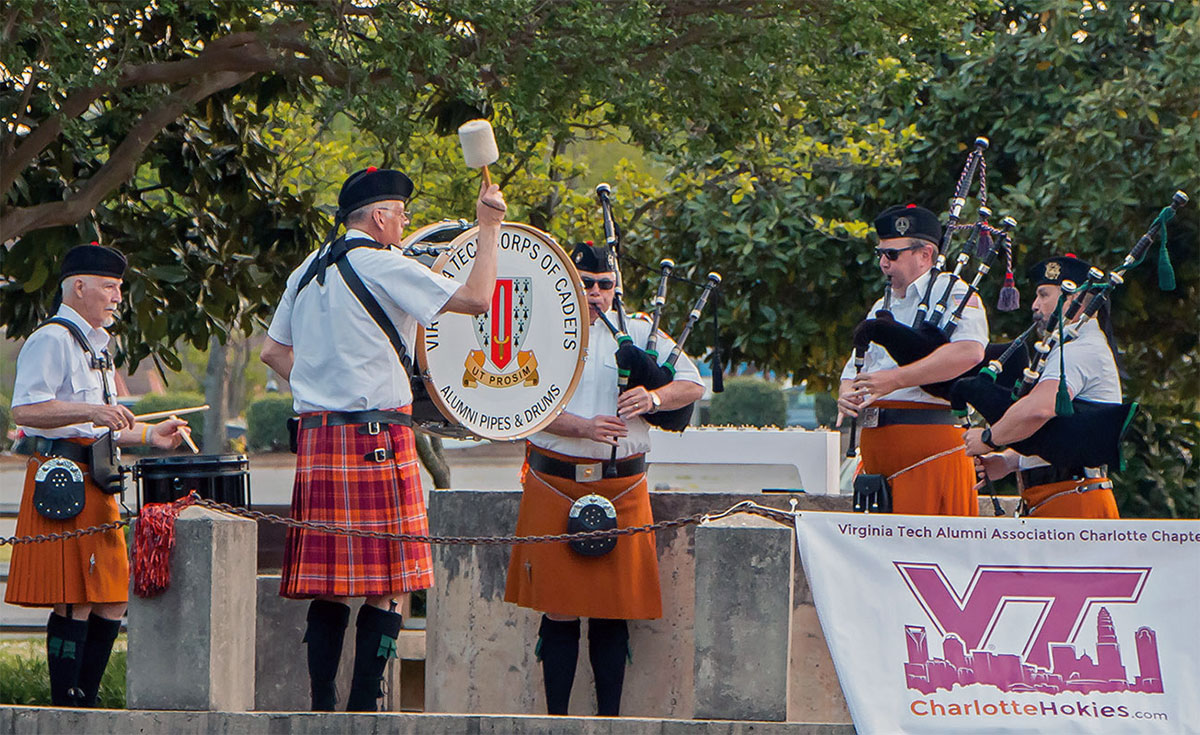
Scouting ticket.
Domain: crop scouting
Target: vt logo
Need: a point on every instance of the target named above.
(500, 333)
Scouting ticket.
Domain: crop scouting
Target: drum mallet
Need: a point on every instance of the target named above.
(479, 146)
(169, 413)
(187, 436)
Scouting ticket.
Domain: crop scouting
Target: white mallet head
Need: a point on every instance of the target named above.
(478, 143)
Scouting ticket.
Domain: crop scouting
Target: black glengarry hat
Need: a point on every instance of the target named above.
(592, 258)
(372, 185)
(909, 220)
(93, 260)
(1053, 271)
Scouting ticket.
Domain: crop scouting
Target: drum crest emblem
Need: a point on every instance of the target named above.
(500, 334)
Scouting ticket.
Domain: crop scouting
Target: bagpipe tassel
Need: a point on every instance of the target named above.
(1166, 273)
(1062, 400)
(1010, 297)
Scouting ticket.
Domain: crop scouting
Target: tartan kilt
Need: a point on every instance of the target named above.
(335, 484)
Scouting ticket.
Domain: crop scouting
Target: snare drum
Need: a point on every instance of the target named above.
(508, 373)
(224, 478)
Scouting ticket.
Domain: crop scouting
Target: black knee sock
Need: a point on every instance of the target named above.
(65, 639)
(608, 647)
(558, 649)
(327, 623)
(374, 644)
(101, 632)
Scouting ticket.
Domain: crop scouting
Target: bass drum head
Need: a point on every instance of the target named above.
(426, 243)
(508, 373)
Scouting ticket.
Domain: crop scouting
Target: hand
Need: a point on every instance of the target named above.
(973, 438)
(879, 383)
(634, 402)
(606, 429)
(992, 466)
(849, 403)
(490, 207)
(168, 434)
(116, 418)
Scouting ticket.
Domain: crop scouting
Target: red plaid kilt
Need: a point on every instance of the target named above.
(336, 485)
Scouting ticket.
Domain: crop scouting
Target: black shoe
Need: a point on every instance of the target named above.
(608, 649)
(558, 650)
(327, 623)
(65, 640)
(374, 644)
(101, 632)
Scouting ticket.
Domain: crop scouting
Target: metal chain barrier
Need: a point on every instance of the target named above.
(746, 506)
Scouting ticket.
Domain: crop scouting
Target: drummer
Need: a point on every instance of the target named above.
(63, 402)
(342, 336)
(566, 461)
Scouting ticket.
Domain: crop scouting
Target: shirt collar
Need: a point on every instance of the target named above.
(98, 336)
(917, 287)
(353, 233)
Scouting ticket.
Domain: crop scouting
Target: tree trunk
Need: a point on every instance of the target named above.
(216, 392)
(429, 450)
(235, 400)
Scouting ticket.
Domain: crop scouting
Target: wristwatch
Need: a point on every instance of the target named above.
(655, 402)
(986, 438)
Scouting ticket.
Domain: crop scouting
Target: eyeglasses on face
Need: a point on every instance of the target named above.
(893, 254)
(605, 284)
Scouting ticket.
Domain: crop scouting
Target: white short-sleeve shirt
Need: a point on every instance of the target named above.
(972, 327)
(52, 366)
(343, 360)
(597, 392)
(1090, 370)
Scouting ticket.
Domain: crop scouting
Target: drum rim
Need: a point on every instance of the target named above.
(418, 235)
(573, 273)
(193, 459)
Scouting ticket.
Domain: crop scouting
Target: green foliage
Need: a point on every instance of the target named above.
(25, 680)
(749, 402)
(266, 423)
(5, 420)
(153, 402)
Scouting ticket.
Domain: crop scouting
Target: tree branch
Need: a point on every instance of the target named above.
(120, 165)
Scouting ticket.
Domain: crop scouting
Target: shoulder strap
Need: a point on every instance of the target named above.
(364, 296)
(103, 362)
(337, 249)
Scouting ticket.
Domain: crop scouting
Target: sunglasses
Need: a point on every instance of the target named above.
(605, 284)
(893, 254)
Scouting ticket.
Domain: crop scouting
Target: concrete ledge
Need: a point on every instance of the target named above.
(31, 720)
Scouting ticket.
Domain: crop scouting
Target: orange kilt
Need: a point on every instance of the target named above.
(551, 578)
(1088, 501)
(86, 569)
(944, 486)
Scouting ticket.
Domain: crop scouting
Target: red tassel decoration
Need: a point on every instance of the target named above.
(153, 540)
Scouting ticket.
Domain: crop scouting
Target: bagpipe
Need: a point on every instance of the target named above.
(934, 325)
(639, 366)
(1082, 433)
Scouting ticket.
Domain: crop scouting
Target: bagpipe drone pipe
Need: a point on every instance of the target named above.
(1082, 433)
(639, 366)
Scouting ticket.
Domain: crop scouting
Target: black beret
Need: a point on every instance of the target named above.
(373, 185)
(93, 260)
(591, 258)
(1054, 271)
(909, 220)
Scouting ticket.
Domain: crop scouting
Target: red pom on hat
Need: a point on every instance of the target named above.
(1071, 255)
(589, 243)
(94, 242)
(911, 206)
(371, 169)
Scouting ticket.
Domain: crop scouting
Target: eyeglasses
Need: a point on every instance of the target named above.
(605, 284)
(893, 254)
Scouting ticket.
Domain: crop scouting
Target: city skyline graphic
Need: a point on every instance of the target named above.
(1070, 670)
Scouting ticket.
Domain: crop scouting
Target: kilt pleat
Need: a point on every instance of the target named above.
(336, 484)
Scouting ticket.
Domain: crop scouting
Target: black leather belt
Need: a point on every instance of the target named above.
(77, 453)
(1050, 474)
(585, 471)
(873, 417)
(351, 418)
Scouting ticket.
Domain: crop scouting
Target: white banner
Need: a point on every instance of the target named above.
(1002, 625)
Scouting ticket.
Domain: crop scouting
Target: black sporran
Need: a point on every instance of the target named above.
(872, 494)
(58, 489)
(592, 513)
(105, 467)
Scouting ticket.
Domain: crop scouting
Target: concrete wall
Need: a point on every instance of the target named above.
(30, 720)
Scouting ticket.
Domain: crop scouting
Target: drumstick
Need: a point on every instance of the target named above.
(479, 146)
(187, 436)
(169, 413)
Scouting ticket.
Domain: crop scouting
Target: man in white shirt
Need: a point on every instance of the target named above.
(64, 400)
(567, 461)
(1088, 367)
(910, 437)
(342, 336)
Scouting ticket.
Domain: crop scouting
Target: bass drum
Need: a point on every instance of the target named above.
(508, 373)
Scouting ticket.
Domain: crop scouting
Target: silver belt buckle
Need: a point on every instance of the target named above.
(1094, 473)
(869, 417)
(589, 472)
